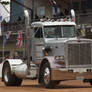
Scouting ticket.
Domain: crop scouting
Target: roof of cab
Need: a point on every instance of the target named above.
(52, 23)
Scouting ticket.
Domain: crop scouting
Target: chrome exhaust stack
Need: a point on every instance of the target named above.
(73, 14)
(27, 69)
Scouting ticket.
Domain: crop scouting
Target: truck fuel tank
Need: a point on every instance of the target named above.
(21, 71)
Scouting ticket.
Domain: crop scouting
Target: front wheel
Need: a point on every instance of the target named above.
(8, 78)
(90, 81)
(46, 77)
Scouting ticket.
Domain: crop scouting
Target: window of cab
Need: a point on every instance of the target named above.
(38, 32)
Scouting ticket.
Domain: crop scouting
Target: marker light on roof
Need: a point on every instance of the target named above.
(58, 20)
(43, 19)
(53, 20)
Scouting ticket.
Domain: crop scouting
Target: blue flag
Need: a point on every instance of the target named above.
(6, 37)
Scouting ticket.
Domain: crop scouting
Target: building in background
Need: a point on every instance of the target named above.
(41, 8)
(17, 11)
(83, 10)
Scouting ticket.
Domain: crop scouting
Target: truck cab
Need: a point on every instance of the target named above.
(49, 36)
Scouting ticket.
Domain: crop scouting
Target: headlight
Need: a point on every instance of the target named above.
(59, 57)
(60, 60)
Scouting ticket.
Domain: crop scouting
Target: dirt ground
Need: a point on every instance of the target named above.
(33, 86)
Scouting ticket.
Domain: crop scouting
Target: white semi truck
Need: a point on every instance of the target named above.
(57, 54)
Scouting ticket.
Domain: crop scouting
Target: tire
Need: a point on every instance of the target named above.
(46, 77)
(90, 81)
(8, 78)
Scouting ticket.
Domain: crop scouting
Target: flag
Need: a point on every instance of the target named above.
(19, 40)
(0, 18)
(6, 37)
(54, 4)
(0, 30)
(0, 25)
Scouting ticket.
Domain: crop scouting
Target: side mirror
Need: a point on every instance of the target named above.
(80, 33)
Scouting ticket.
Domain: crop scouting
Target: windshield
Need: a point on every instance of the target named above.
(52, 32)
(68, 31)
(59, 31)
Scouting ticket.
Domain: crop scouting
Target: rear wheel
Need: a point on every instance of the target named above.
(8, 78)
(46, 77)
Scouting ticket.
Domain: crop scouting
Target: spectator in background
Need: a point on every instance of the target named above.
(16, 56)
(61, 15)
(66, 12)
(19, 18)
(36, 17)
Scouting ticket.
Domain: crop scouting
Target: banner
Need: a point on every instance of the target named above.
(0, 25)
(6, 37)
(54, 4)
(0, 30)
(19, 40)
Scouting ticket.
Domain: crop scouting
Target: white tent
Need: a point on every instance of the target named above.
(4, 13)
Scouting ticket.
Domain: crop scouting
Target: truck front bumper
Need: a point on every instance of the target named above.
(64, 74)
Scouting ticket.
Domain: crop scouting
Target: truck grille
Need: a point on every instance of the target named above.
(79, 54)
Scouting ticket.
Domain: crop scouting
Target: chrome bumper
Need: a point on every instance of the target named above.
(57, 74)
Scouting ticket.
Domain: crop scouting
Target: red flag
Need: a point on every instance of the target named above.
(54, 4)
(19, 40)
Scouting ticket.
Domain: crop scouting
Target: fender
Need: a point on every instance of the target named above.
(51, 60)
(19, 68)
(53, 65)
(12, 62)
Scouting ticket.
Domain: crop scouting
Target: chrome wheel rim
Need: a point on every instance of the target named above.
(6, 75)
(46, 75)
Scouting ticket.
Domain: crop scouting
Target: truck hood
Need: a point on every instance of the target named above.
(58, 45)
(64, 40)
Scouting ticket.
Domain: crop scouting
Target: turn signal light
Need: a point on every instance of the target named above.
(46, 54)
(61, 62)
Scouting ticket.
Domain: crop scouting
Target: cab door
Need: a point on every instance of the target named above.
(38, 44)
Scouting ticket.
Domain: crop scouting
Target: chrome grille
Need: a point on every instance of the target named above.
(79, 54)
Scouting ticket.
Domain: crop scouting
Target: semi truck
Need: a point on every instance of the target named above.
(57, 55)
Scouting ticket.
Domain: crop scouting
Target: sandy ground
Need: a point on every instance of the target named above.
(33, 86)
